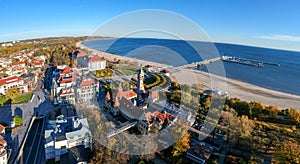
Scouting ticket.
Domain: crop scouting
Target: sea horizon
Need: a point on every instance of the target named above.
(271, 77)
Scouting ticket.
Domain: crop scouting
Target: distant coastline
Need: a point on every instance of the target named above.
(235, 88)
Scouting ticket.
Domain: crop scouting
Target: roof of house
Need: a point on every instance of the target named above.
(95, 58)
(155, 95)
(126, 107)
(66, 70)
(17, 63)
(37, 62)
(2, 142)
(148, 66)
(126, 94)
(68, 80)
(165, 71)
(9, 80)
(1, 127)
(81, 54)
(200, 150)
(87, 82)
(75, 155)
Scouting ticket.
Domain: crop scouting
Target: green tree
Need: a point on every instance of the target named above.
(18, 120)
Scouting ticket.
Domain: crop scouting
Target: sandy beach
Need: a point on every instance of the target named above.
(235, 88)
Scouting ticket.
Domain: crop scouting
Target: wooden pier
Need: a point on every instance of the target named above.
(231, 59)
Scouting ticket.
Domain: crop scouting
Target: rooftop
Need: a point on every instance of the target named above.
(87, 82)
(95, 58)
(9, 80)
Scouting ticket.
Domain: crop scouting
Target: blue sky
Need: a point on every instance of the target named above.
(266, 23)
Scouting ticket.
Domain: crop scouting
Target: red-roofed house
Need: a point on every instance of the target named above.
(165, 72)
(10, 82)
(87, 91)
(96, 63)
(2, 129)
(66, 95)
(18, 64)
(3, 152)
(153, 96)
(37, 63)
(149, 68)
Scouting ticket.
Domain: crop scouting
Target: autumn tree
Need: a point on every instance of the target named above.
(294, 114)
(12, 93)
(181, 146)
(288, 152)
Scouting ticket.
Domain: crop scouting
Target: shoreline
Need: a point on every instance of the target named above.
(235, 88)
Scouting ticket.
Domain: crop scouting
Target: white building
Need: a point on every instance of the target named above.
(64, 82)
(10, 82)
(96, 63)
(87, 91)
(65, 133)
(3, 152)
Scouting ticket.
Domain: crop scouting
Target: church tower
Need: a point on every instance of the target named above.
(140, 85)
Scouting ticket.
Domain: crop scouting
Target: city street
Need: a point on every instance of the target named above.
(33, 142)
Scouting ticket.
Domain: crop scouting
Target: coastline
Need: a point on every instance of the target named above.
(235, 88)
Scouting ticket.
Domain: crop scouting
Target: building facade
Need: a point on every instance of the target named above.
(65, 133)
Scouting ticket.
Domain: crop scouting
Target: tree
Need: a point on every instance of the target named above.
(288, 152)
(12, 93)
(182, 145)
(18, 120)
(294, 114)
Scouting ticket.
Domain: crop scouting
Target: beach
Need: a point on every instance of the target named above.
(242, 90)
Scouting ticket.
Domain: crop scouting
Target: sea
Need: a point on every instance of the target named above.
(285, 78)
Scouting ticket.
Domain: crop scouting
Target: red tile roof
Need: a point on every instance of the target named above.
(107, 96)
(155, 95)
(9, 80)
(68, 80)
(66, 70)
(126, 94)
(37, 62)
(17, 63)
(165, 71)
(87, 82)
(1, 127)
(2, 142)
(81, 54)
(96, 59)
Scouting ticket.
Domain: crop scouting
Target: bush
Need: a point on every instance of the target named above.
(18, 120)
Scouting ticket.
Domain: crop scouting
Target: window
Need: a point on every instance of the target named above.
(63, 147)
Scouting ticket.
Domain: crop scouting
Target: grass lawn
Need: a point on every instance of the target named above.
(127, 69)
(18, 100)
(150, 80)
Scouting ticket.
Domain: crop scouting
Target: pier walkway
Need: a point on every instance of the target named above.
(231, 59)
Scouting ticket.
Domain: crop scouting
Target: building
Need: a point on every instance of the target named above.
(199, 152)
(165, 72)
(3, 151)
(82, 61)
(140, 84)
(37, 63)
(63, 85)
(2, 129)
(96, 62)
(159, 119)
(64, 134)
(10, 82)
(149, 68)
(87, 91)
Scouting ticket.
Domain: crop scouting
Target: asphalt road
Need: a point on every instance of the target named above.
(33, 142)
